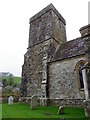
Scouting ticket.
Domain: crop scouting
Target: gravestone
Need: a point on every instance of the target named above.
(10, 100)
(34, 102)
(60, 110)
(20, 99)
(87, 107)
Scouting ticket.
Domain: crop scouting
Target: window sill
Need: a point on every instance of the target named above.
(81, 89)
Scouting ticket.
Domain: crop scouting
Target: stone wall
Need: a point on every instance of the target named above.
(34, 70)
(65, 102)
(47, 24)
(23, 89)
(62, 80)
(85, 31)
(49, 64)
(47, 31)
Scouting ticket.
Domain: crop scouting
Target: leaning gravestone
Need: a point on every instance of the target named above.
(34, 99)
(87, 107)
(60, 110)
(10, 100)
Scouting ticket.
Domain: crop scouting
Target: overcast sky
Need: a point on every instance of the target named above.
(14, 27)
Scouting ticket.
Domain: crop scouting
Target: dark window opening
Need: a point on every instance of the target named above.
(78, 68)
(81, 78)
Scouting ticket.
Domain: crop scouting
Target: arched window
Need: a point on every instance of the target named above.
(79, 74)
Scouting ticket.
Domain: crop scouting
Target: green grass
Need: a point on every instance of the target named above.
(23, 111)
(16, 79)
(0, 111)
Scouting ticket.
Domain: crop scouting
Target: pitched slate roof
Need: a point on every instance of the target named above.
(70, 49)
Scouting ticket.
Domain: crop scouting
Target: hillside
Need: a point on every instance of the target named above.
(7, 75)
(15, 79)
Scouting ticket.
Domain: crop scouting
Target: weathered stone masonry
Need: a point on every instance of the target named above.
(60, 83)
(47, 31)
(51, 64)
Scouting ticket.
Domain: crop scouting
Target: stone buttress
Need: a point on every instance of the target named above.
(85, 33)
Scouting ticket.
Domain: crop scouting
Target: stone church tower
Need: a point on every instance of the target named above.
(54, 69)
(47, 32)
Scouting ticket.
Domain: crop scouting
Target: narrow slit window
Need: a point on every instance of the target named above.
(81, 78)
(79, 74)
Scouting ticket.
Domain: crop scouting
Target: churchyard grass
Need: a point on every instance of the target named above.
(0, 111)
(23, 111)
